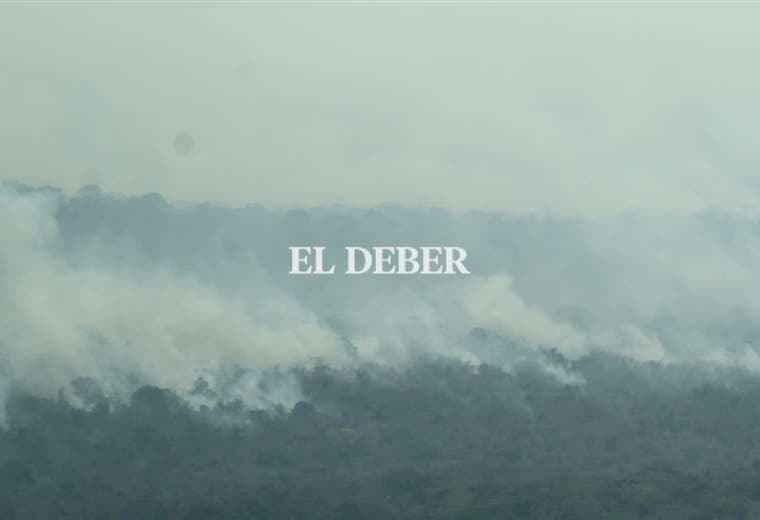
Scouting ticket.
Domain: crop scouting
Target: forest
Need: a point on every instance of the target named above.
(438, 440)
(157, 361)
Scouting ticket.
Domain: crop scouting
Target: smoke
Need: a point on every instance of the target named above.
(134, 290)
(70, 309)
(130, 327)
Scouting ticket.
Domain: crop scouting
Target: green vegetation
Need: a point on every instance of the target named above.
(439, 440)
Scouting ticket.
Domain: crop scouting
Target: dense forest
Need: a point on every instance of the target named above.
(158, 362)
(438, 440)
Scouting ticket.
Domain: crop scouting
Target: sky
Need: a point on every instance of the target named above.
(584, 109)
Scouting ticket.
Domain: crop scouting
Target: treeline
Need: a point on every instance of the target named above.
(437, 440)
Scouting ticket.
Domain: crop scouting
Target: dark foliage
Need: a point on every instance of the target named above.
(440, 440)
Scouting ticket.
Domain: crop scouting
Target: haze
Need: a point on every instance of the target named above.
(584, 109)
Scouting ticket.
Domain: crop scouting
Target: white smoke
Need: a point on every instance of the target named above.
(125, 328)
(642, 288)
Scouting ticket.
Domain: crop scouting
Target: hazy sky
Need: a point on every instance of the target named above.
(579, 109)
